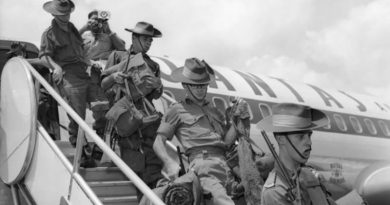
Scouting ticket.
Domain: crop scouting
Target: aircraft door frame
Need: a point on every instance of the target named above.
(18, 120)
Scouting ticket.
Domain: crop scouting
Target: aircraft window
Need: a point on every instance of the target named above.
(340, 122)
(385, 129)
(328, 126)
(250, 112)
(265, 110)
(169, 93)
(220, 104)
(370, 126)
(356, 124)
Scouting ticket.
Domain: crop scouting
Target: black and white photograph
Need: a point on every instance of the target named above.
(208, 102)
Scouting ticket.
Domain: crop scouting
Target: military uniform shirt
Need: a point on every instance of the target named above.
(65, 47)
(275, 189)
(194, 125)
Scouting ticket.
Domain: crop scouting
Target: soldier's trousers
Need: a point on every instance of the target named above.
(213, 172)
(80, 90)
(140, 157)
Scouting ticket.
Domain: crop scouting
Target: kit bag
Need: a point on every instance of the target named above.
(128, 118)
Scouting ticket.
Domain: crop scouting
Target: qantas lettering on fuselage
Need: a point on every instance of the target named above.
(340, 121)
(253, 80)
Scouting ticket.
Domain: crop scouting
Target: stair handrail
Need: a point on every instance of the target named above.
(99, 142)
(76, 176)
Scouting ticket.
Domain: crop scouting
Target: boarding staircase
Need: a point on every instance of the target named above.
(109, 184)
(49, 171)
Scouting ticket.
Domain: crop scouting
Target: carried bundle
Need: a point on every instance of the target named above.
(249, 174)
(185, 190)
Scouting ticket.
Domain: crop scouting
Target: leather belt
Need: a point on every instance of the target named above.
(205, 152)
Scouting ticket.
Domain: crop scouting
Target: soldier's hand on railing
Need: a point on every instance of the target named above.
(57, 74)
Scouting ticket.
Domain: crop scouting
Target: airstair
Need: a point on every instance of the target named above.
(109, 184)
(42, 171)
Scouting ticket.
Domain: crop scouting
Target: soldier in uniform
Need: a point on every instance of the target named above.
(292, 126)
(142, 38)
(130, 87)
(201, 130)
(62, 51)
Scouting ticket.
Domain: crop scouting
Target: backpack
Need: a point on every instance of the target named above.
(142, 80)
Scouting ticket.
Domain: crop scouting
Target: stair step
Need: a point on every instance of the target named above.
(126, 200)
(102, 174)
(113, 188)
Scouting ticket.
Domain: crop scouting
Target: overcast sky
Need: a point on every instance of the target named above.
(341, 44)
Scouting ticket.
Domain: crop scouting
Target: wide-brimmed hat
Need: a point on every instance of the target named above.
(290, 117)
(194, 71)
(144, 28)
(59, 7)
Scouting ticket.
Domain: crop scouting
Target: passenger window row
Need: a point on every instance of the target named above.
(367, 124)
(351, 124)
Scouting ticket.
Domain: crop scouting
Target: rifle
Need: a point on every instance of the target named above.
(290, 183)
(182, 170)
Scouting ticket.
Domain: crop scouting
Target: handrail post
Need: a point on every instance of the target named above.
(76, 161)
(15, 194)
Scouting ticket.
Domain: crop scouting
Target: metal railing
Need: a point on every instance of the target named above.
(76, 176)
(84, 128)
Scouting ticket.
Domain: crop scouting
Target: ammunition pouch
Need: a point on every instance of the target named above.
(128, 118)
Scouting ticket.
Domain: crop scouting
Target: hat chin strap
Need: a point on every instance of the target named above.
(296, 150)
(60, 21)
(194, 96)
(140, 44)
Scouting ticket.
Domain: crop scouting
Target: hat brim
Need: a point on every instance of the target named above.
(49, 7)
(156, 32)
(177, 75)
(319, 119)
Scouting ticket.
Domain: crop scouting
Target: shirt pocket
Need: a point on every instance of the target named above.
(59, 46)
(59, 41)
(190, 120)
(218, 125)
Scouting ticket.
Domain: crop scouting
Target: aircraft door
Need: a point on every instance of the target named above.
(18, 120)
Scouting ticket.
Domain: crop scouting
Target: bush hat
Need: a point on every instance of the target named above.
(59, 7)
(144, 28)
(194, 71)
(290, 117)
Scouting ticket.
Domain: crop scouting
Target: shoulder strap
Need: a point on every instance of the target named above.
(149, 108)
(313, 187)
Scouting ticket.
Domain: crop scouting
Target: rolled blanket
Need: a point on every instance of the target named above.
(179, 194)
(185, 190)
